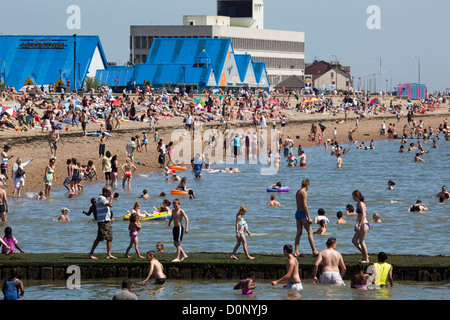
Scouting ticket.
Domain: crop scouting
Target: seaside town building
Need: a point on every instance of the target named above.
(282, 52)
(328, 76)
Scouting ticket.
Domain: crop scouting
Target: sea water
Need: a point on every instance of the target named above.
(212, 221)
(104, 289)
(219, 195)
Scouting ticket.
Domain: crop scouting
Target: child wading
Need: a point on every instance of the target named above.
(134, 227)
(241, 228)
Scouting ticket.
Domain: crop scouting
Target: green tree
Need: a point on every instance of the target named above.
(91, 82)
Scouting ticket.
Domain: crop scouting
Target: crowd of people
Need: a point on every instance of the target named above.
(227, 108)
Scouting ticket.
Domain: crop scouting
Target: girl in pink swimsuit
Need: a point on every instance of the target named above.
(134, 228)
(359, 279)
(247, 285)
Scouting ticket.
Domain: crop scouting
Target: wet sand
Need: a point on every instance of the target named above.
(33, 144)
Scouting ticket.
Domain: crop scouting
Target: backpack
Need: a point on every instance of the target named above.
(20, 173)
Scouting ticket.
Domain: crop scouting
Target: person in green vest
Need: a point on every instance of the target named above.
(383, 271)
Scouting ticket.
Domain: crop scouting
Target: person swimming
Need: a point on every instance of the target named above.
(276, 185)
(418, 206)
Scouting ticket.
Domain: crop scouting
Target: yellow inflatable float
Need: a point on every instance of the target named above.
(155, 216)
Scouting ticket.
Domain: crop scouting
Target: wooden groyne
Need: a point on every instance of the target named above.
(42, 266)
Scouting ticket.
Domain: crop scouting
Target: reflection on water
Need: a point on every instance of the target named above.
(219, 195)
(104, 289)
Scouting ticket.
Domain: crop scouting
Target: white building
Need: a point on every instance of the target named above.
(283, 52)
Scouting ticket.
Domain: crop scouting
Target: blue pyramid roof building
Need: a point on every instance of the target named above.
(45, 59)
(203, 62)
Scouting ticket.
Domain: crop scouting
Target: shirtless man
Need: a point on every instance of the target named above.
(156, 269)
(292, 276)
(287, 144)
(177, 217)
(4, 161)
(331, 260)
(303, 218)
(443, 195)
(273, 202)
(4, 206)
(53, 138)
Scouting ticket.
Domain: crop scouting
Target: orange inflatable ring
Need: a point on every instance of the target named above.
(178, 168)
(178, 193)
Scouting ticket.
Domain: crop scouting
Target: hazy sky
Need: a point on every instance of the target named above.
(407, 28)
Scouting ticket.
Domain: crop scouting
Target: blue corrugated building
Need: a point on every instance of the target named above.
(28, 60)
(43, 60)
(190, 62)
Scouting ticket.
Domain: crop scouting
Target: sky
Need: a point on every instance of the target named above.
(333, 29)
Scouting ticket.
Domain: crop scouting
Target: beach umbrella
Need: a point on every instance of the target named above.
(374, 101)
(8, 110)
(117, 103)
(274, 101)
(199, 106)
(199, 101)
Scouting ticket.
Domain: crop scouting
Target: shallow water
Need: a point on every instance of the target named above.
(211, 290)
(219, 195)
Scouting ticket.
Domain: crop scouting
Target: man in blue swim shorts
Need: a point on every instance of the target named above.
(299, 215)
(303, 218)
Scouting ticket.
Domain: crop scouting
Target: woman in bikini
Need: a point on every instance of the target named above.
(361, 226)
(241, 229)
(128, 168)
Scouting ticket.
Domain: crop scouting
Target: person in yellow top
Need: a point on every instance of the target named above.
(383, 271)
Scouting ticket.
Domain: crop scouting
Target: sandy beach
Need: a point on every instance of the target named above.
(33, 144)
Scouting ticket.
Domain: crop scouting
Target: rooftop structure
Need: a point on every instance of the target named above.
(282, 52)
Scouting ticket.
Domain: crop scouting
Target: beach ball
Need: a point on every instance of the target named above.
(67, 129)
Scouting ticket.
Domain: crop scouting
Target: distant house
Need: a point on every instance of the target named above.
(329, 76)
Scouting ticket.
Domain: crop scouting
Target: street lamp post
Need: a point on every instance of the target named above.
(418, 64)
(75, 62)
(79, 75)
(380, 71)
